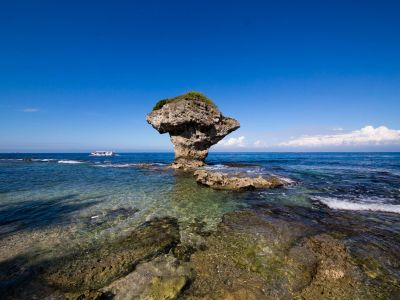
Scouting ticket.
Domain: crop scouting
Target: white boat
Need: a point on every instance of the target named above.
(102, 153)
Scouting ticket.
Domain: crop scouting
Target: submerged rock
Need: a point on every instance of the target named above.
(95, 268)
(255, 255)
(161, 278)
(222, 181)
(263, 252)
(112, 215)
(194, 124)
(165, 288)
(334, 274)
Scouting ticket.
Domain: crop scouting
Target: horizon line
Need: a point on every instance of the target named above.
(172, 152)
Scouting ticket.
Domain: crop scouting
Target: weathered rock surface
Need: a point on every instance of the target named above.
(193, 125)
(165, 288)
(98, 267)
(161, 278)
(223, 181)
(254, 255)
(266, 252)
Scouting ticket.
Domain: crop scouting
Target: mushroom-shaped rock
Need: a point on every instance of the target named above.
(194, 124)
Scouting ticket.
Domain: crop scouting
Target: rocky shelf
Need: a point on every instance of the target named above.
(221, 181)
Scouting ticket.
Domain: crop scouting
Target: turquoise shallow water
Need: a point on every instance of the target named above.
(52, 198)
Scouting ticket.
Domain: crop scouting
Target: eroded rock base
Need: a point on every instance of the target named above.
(187, 164)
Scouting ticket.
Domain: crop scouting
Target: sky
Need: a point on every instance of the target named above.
(78, 76)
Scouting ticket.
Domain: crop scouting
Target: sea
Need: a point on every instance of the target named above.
(54, 202)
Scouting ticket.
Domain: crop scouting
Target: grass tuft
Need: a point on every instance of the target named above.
(188, 96)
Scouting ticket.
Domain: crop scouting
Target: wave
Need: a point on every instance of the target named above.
(43, 159)
(285, 179)
(11, 159)
(30, 159)
(216, 167)
(66, 161)
(130, 165)
(336, 203)
(115, 165)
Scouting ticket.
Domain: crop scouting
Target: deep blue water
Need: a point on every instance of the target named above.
(88, 198)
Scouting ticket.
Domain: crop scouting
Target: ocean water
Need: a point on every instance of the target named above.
(52, 202)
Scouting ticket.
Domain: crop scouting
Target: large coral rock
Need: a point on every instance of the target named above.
(221, 181)
(194, 124)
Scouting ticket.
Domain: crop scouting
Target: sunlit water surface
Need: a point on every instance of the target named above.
(59, 201)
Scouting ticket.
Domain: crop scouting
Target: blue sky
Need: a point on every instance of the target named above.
(298, 75)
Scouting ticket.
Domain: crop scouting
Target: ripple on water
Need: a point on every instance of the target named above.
(53, 203)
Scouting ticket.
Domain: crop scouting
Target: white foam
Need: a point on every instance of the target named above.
(43, 159)
(11, 159)
(336, 203)
(216, 167)
(126, 165)
(116, 165)
(285, 179)
(65, 161)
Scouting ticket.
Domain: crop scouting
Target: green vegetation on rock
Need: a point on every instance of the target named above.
(166, 288)
(188, 96)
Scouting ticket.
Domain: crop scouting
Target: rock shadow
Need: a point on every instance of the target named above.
(38, 214)
(81, 273)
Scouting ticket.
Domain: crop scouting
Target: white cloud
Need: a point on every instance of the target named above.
(259, 144)
(30, 110)
(233, 142)
(365, 136)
